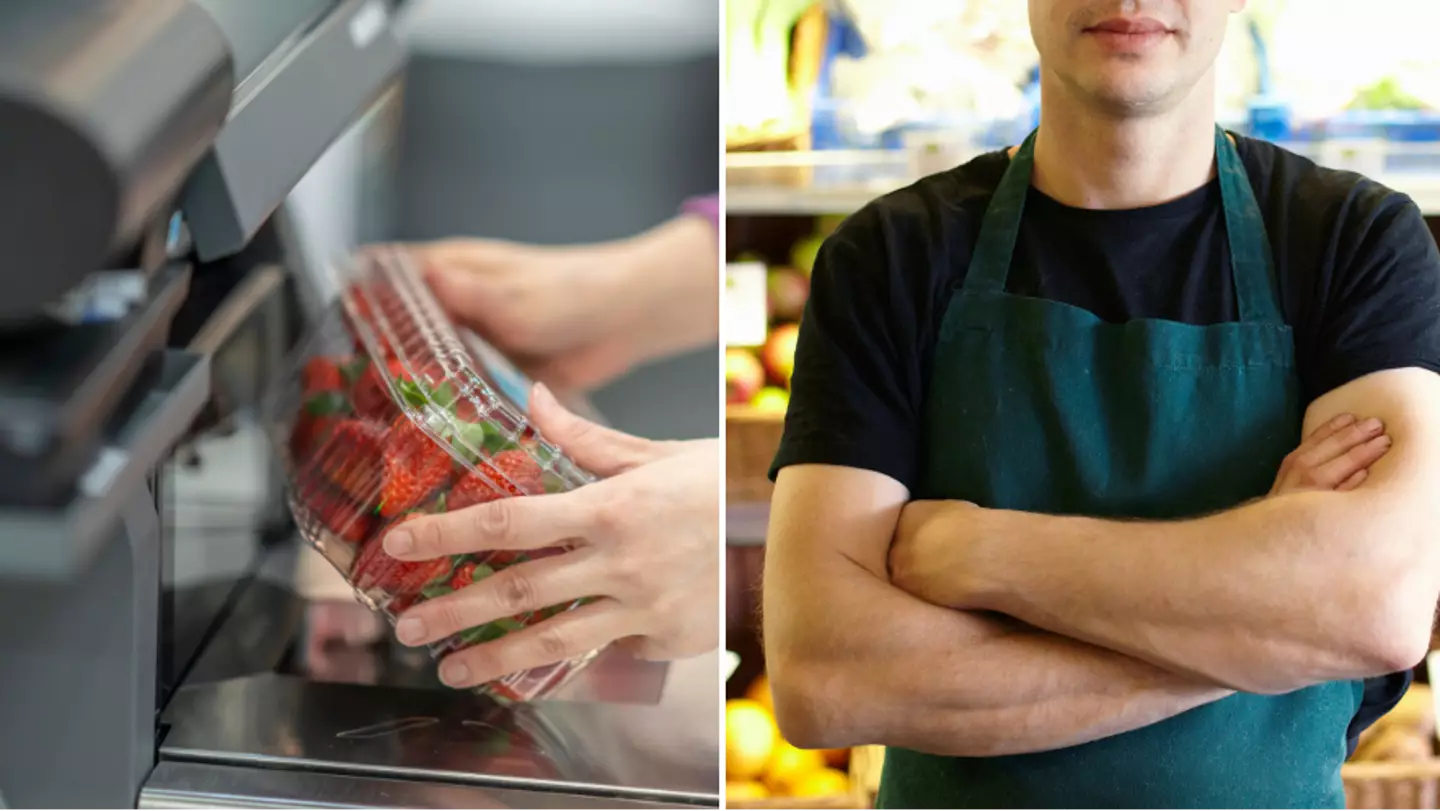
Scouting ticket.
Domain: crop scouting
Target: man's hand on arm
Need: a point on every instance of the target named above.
(854, 660)
(1306, 586)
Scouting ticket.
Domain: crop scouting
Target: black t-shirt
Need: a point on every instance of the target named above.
(1358, 270)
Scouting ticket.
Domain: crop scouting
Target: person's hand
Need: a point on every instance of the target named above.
(577, 317)
(1336, 456)
(931, 553)
(643, 540)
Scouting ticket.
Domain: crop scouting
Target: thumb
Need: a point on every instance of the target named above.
(463, 294)
(600, 450)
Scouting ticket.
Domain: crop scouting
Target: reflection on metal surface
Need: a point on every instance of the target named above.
(385, 728)
(591, 749)
(209, 785)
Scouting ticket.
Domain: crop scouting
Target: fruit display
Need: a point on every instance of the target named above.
(760, 765)
(392, 414)
(760, 376)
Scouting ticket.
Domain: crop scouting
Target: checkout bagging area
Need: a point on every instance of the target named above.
(166, 638)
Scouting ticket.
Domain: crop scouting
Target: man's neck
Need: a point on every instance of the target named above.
(1086, 159)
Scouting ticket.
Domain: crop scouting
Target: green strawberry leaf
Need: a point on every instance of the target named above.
(510, 624)
(436, 590)
(481, 572)
(445, 396)
(458, 560)
(351, 372)
(554, 483)
(412, 393)
(480, 634)
(473, 636)
(467, 438)
(327, 403)
(496, 442)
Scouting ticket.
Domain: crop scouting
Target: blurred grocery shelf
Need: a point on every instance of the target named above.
(841, 181)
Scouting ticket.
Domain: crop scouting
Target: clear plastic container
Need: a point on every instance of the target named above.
(390, 412)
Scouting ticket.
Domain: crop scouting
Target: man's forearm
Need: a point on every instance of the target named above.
(854, 660)
(1269, 597)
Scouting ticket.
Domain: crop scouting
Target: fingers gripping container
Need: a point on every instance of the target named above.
(392, 412)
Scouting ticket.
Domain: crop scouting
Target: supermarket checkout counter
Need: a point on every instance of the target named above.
(165, 640)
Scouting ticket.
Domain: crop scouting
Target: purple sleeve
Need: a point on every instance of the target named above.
(707, 207)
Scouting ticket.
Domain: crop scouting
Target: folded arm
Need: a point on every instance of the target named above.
(854, 660)
(1270, 597)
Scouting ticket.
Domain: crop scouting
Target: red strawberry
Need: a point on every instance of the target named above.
(365, 299)
(501, 558)
(339, 515)
(322, 374)
(374, 569)
(508, 473)
(350, 458)
(473, 489)
(415, 465)
(371, 394)
(309, 432)
(464, 575)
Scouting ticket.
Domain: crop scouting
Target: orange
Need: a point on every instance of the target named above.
(750, 738)
(837, 758)
(759, 692)
(789, 764)
(742, 790)
(822, 783)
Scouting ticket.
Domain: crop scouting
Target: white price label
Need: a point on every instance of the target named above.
(746, 304)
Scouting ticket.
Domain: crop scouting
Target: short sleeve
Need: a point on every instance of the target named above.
(1382, 312)
(1383, 304)
(856, 384)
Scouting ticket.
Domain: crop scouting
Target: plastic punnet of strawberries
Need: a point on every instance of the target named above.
(389, 417)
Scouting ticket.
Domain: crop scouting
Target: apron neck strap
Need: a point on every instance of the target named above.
(1251, 264)
(1250, 258)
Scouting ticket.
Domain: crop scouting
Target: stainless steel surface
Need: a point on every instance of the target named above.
(608, 750)
(296, 101)
(105, 107)
(209, 785)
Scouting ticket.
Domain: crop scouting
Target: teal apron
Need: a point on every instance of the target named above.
(1040, 406)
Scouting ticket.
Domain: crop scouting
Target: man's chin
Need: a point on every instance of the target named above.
(1130, 95)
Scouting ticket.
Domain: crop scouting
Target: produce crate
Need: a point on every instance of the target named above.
(751, 439)
(1392, 785)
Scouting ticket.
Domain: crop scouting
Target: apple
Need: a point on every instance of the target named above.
(779, 352)
(771, 399)
(803, 253)
(827, 224)
(744, 375)
(787, 289)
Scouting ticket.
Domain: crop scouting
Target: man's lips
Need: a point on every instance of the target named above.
(1131, 26)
